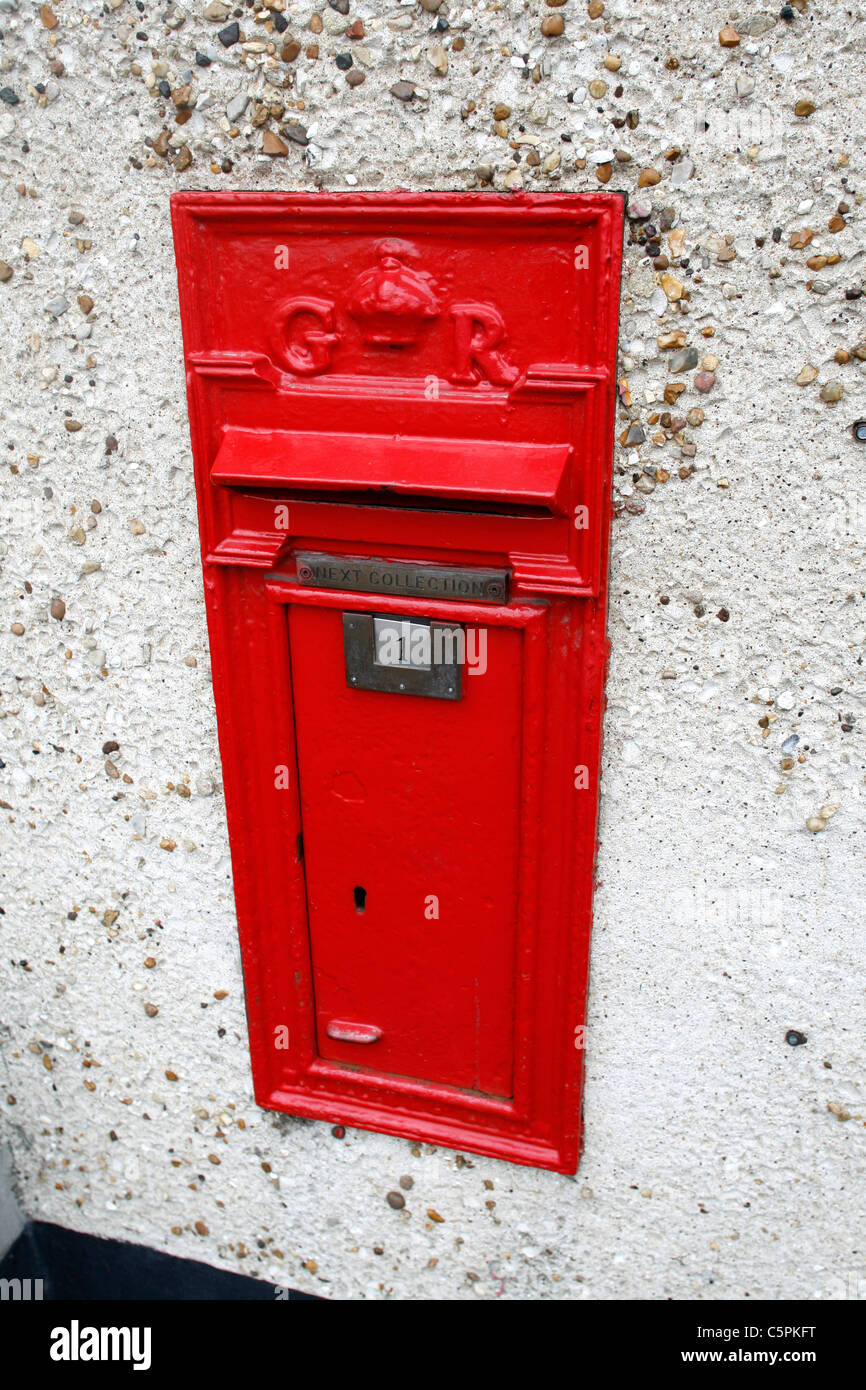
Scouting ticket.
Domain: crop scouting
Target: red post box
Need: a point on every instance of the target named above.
(401, 409)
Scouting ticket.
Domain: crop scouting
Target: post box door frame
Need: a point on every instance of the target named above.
(540, 1126)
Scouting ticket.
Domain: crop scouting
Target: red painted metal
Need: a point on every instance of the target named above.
(396, 464)
(425, 378)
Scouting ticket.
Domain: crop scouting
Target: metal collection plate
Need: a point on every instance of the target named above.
(368, 576)
(440, 680)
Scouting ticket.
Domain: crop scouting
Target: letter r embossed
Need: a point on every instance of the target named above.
(479, 330)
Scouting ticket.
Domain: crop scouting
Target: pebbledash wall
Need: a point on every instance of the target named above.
(721, 1159)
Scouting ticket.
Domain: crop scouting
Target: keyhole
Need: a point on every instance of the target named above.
(360, 899)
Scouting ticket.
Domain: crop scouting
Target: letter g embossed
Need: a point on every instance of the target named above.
(305, 328)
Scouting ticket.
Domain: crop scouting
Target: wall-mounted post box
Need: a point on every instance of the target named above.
(402, 412)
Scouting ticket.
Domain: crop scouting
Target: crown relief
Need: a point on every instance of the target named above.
(393, 303)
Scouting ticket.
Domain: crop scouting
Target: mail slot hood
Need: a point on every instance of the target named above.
(467, 470)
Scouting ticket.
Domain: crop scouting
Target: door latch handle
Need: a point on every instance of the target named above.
(353, 1032)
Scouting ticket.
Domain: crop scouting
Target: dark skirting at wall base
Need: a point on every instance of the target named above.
(73, 1265)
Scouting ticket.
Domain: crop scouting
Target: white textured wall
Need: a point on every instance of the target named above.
(720, 1161)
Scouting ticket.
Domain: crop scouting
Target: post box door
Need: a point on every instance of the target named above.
(410, 816)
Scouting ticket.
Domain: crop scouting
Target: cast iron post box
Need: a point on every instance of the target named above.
(401, 409)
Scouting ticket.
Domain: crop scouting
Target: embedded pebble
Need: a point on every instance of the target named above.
(272, 145)
(237, 106)
(758, 24)
(683, 361)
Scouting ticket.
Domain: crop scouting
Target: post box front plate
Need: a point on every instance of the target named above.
(414, 424)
